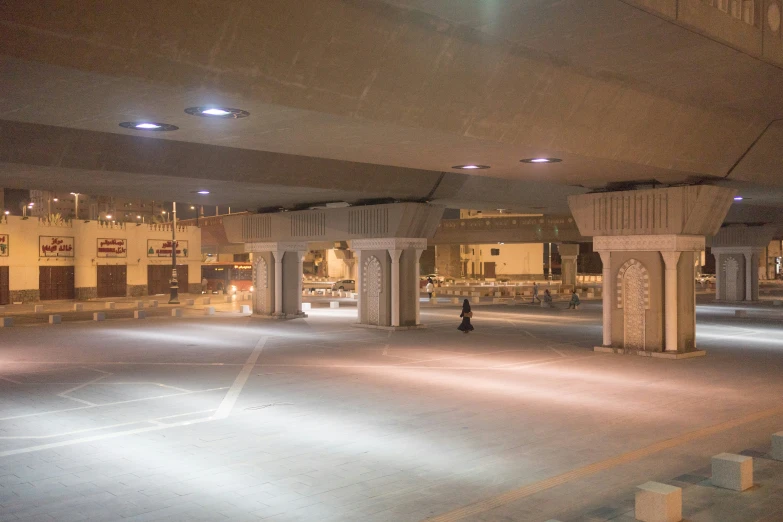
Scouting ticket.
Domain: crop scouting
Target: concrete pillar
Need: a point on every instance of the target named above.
(277, 272)
(388, 281)
(737, 250)
(670, 292)
(395, 254)
(649, 241)
(568, 256)
(419, 251)
(606, 295)
(278, 255)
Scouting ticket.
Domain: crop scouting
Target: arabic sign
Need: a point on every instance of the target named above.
(162, 248)
(3, 245)
(108, 247)
(55, 246)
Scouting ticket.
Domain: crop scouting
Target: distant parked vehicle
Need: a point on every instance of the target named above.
(344, 284)
(705, 278)
(435, 278)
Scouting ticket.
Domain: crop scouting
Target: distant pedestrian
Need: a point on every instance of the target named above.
(466, 315)
(535, 293)
(204, 284)
(220, 287)
(574, 303)
(547, 299)
(430, 288)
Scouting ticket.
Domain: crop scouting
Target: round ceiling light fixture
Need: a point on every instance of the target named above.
(202, 192)
(217, 112)
(541, 160)
(738, 198)
(471, 166)
(148, 125)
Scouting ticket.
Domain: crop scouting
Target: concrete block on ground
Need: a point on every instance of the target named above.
(244, 309)
(209, 310)
(777, 302)
(6, 322)
(777, 446)
(455, 300)
(139, 314)
(656, 502)
(110, 305)
(227, 298)
(740, 313)
(730, 471)
(306, 306)
(38, 309)
(334, 304)
(475, 300)
(98, 316)
(190, 302)
(55, 319)
(206, 300)
(139, 304)
(176, 312)
(154, 303)
(78, 307)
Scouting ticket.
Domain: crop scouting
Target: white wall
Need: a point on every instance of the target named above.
(513, 259)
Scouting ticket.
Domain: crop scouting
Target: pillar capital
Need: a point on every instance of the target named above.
(671, 259)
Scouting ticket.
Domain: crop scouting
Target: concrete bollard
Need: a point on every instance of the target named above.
(730, 471)
(38, 309)
(209, 310)
(55, 319)
(306, 306)
(244, 309)
(190, 302)
(78, 307)
(110, 305)
(455, 300)
(777, 302)
(6, 322)
(777, 446)
(334, 304)
(740, 313)
(475, 300)
(154, 303)
(176, 312)
(139, 314)
(227, 298)
(656, 502)
(139, 304)
(98, 316)
(205, 300)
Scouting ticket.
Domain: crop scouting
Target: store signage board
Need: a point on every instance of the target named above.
(4, 242)
(112, 247)
(55, 246)
(162, 248)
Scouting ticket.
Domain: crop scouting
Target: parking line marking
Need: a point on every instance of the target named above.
(224, 410)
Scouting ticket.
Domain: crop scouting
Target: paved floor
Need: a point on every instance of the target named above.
(240, 418)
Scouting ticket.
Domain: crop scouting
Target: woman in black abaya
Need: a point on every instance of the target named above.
(466, 314)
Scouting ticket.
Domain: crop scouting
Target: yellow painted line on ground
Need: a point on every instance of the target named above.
(579, 473)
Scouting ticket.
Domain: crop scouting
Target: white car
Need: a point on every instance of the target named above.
(435, 278)
(344, 284)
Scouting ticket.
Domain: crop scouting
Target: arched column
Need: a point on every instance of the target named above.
(278, 268)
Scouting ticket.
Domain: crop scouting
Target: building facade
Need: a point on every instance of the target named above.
(74, 259)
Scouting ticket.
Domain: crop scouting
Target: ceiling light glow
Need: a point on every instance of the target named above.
(738, 198)
(217, 112)
(471, 166)
(148, 126)
(541, 160)
(203, 192)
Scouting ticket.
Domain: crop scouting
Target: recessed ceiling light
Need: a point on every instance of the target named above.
(148, 125)
(738, 198)
(217, 112)
(541, 160)
(203, 192)
(470, 167)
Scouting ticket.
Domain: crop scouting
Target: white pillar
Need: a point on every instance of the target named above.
(748, 275)
(278, 255)
(606, 258)
(670, 259)
(417, 270)
(718, 276)
(359, 299)
(300, 257)
(395, 286)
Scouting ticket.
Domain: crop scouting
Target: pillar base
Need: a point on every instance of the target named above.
(657, 355)
(391, 328)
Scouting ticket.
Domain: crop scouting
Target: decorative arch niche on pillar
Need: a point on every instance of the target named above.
(277, 279)
(388, 281)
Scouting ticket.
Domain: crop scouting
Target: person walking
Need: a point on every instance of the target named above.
(466, 315)
(535, 294)
(430, 287)
(204, 284)
(574, 303)
(547, 299)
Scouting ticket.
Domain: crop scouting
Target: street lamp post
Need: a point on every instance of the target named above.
(76, 199)
(174, 299)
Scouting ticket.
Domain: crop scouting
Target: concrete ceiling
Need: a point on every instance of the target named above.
(364, 99)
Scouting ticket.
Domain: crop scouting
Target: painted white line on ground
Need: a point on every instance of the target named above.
(110, 404)
(224, 410)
